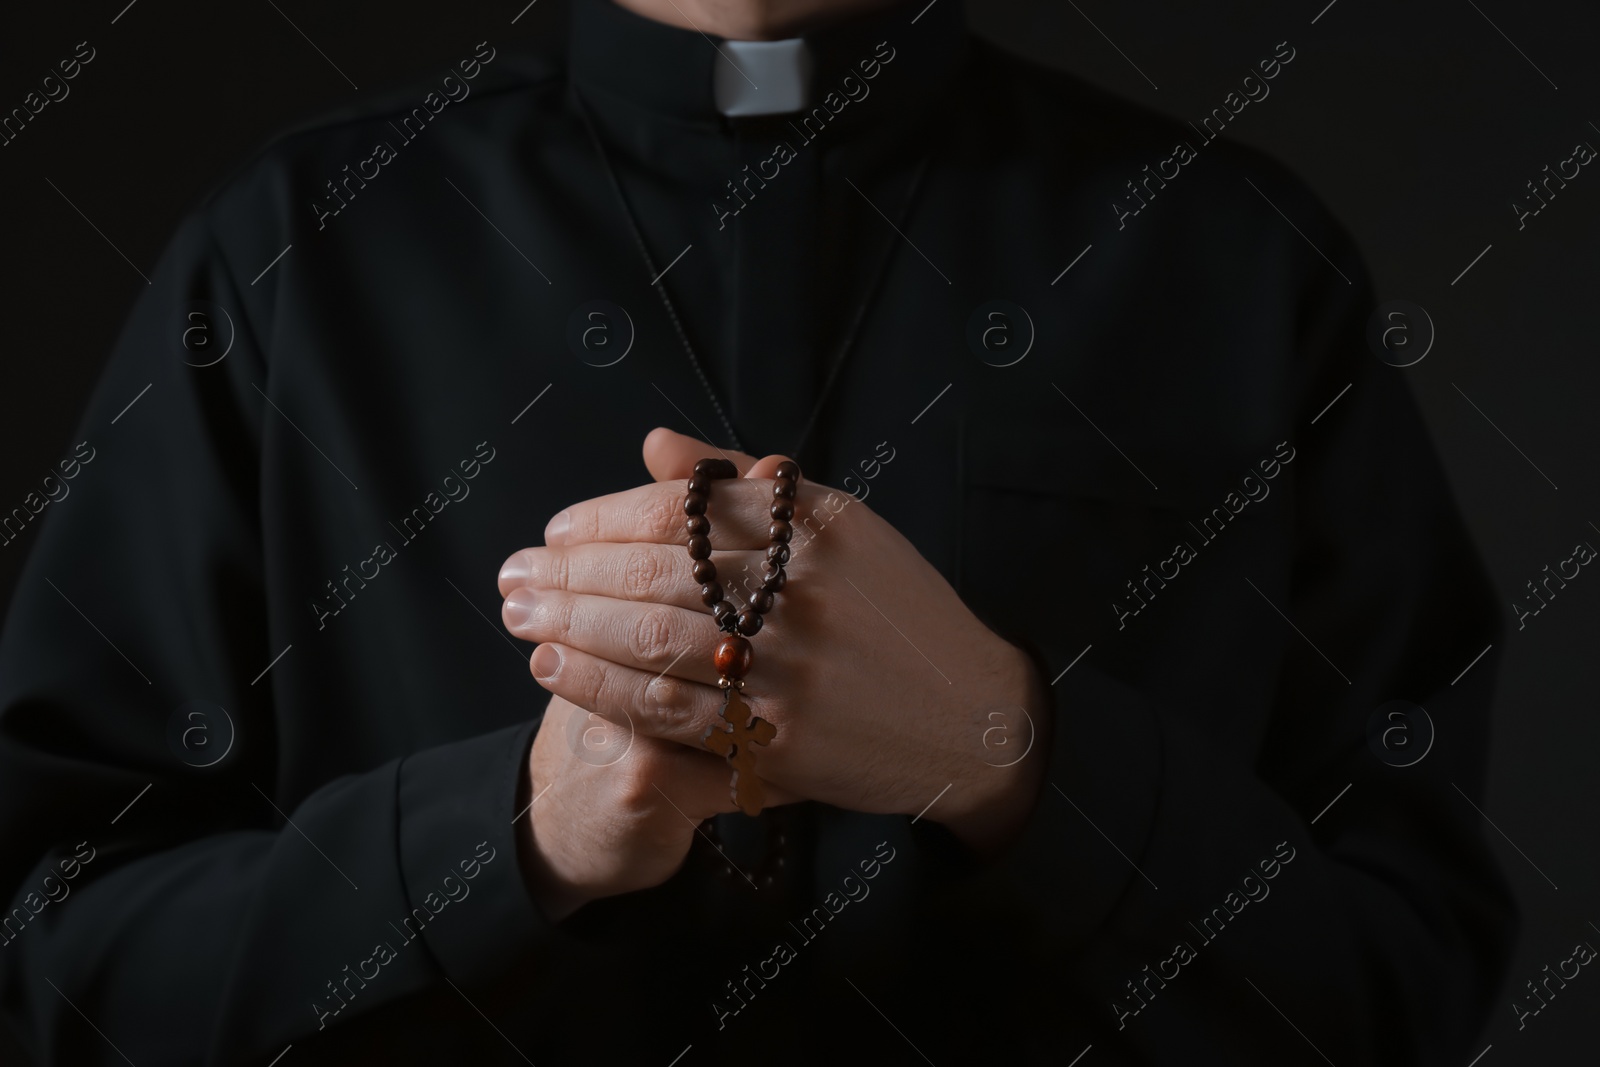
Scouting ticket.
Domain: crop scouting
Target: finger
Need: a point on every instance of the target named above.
(766, 467)
(662, 706)
(669, 455)
(604, 767)
(696, 784)
(654, 513)
(660, 574)
(651, 637)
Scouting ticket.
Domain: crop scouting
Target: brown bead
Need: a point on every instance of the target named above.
(780, 532)
(716, 468)
(699, 546)
(733, 657)
(699, 484)
(778, 553)
(723, 611)
(749, 621)
(704, 571)
(694, 504)
(762, 600)
(697, 524)
(788, 470)
(775, 580)
(710, 593)
(782, 509)
(783, 489)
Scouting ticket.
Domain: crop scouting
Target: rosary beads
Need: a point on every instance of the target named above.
(739, 731)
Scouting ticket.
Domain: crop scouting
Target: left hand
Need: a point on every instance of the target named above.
(881, 683)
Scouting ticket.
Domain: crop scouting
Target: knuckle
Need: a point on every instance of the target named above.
(643, 574)
(583, 524)
(636, 792)
(671, 703)
(552, 616)
(613, 698)
(585, 684)
(650, 636)
(662, 517)
(556, 566)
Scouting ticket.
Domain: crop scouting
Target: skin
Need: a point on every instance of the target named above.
(750, 20)
(881, 683)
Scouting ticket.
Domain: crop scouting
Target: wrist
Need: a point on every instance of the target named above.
(1002, 794)
(553, 897)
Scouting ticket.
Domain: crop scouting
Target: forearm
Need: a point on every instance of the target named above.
(386, 884)
(997, 801)
(1164, 877)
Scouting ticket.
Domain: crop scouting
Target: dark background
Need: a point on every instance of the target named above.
(1419, 124)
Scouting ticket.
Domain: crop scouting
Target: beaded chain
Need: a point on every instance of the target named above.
(734, 737)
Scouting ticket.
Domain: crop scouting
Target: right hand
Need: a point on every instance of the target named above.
(620, 811)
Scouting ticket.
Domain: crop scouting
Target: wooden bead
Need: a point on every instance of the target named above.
(733, 654)
(733, 657)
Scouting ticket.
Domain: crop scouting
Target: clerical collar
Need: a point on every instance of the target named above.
(762, 77)
(682, 74)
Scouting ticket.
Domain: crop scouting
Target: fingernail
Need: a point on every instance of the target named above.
(516, 570)
(546, 662)
(518, 607)
(556, 532)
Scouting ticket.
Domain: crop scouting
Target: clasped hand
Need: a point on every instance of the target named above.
(885, 689)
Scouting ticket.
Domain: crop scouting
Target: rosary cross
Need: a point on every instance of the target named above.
(733, 742)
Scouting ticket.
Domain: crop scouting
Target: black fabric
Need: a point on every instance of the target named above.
(377, 393)
(778, 357)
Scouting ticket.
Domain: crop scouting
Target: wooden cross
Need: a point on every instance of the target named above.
(733, 742)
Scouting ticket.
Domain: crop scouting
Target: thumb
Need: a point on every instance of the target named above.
(669, 455)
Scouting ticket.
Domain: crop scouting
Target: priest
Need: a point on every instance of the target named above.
(914, 403)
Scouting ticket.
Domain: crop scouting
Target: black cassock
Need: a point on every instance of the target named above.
(1109, 429)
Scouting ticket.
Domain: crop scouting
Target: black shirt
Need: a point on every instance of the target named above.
(1197, 498)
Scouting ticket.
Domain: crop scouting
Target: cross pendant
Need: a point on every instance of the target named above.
(733, 740)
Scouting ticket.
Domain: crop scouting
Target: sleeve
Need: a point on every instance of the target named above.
(166, 911)
(1198, 899)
